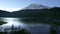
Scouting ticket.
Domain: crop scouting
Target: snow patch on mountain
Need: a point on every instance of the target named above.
(36, 6)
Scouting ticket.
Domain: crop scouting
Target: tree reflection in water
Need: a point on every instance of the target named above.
(15, 31)
(50, 21)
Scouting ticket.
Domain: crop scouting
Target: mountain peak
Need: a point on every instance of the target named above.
(36, 6)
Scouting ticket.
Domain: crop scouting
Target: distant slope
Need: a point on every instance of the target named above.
(4, 13)
(38, 12)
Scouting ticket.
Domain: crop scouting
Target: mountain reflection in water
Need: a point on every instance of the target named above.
(33, 28)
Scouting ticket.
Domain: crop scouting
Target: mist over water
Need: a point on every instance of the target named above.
(12, 21)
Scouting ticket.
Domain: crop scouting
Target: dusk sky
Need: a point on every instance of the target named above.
(11, 5)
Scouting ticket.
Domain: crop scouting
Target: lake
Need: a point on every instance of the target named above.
(34, 28)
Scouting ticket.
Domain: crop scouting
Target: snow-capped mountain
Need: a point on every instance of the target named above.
(36, 6)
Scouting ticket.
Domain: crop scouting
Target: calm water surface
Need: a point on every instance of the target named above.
(33, 28)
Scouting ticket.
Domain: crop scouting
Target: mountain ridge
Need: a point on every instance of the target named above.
(36, 6)
(34, 12)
